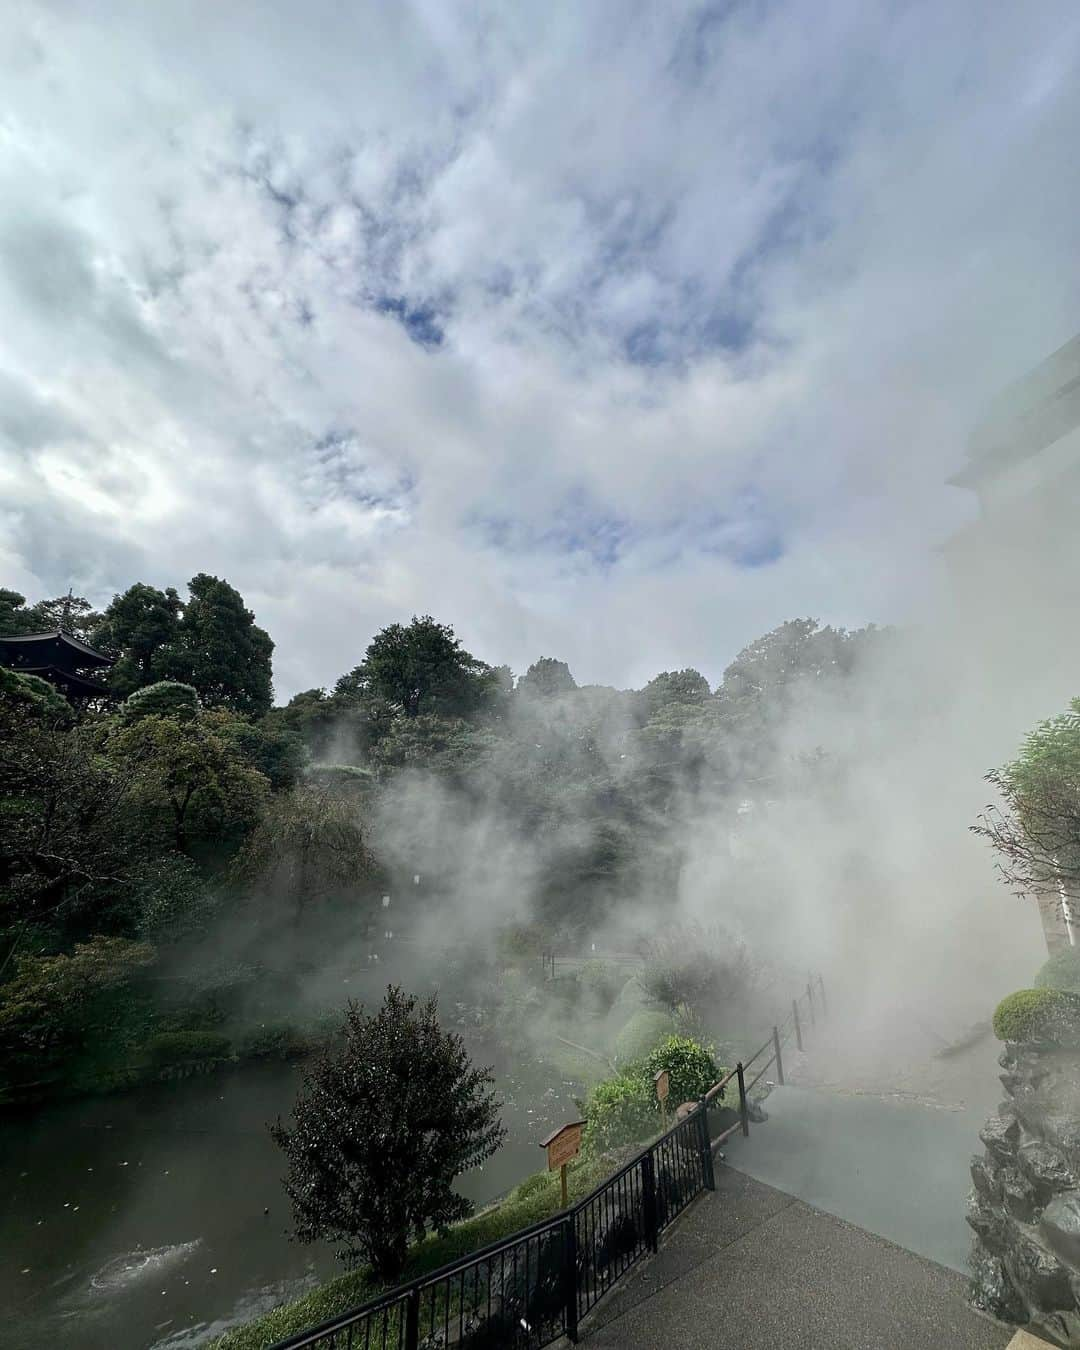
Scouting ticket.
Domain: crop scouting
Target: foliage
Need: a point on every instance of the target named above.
(189, 781)
(139, 629)
(696, 972)
(169, 1048)
(1061, 971)
(546, 678)
(274, 1040)
(619, 1110)
(1038, 1015)
(221, 651)
(675, 686)
(641, 1035)
(421, 667)
(382, 1130)
(439, 745)
(15, 618)
(308, 846)
(34, 695)
(1037, 834)
(55, 1004)
(276, 752)
(692, 1071)
(165, 698)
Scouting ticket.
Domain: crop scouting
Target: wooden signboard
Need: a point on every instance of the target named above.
(563, 1145)
(663, 1085)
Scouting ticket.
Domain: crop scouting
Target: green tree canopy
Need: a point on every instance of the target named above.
(72, 614)
(166, 698)
(421, 667)
(221, 651)
(15, 618)
(675, 686)
(140, 628)
(546, 678)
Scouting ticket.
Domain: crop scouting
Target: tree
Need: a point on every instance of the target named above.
(675, 686)
(419, 668)
(166, 698)
(381, 1131)
(190, 784)
(15, 618)
(1037, 834)
(221, 651)
(309, 845)
(72, 614)
(546, 678)
(140, 628)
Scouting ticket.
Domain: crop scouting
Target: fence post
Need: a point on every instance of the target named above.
(648, 1199)
(798, 1028)
(824, 1005)
(810, 1002)
(570, 1289)
(706, 1147)
(412, 1320)
(743, 1112)
(779, 1061)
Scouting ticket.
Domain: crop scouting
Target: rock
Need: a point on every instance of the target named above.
(1001, 1134)
(992, 1290)
(1060, 1226)
(1040, 1274)
(989, 1225)
(983, 1179)
(1046, 1167)
(1018, 1194)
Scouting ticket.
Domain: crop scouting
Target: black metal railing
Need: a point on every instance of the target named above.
(528, 1290)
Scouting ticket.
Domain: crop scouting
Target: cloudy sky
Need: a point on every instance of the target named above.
(613, 332)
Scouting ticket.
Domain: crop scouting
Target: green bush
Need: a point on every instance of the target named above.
(600, 983)
(691, 1068)
(640, 1036)
(170, 1048)
(620, 1110)
(166, 698)
(274, 1040)
(1062, 971)
(1038, 1015)
(534, 1185)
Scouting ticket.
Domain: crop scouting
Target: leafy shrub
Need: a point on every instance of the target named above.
(691, 1068)
(169, 1048)
(539, 1181)
(640, 1036)
(1062, 971)
(600, 984)
(620, 1110)
(274, 1040)
(166, 698)
(1038, 1015)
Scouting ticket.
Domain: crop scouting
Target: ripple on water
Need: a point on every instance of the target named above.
(123, 1271)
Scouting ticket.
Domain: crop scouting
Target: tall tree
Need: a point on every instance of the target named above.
(221, 651)
(675, 686)
(547, 677)
(72, 614)
(140, 628)
(15, 618)
(419, 668)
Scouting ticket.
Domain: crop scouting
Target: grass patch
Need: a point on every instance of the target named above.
(536, 1198)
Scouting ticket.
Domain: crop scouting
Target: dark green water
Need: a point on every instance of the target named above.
(137, 1220)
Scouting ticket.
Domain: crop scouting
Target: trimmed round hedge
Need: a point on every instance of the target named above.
(640, 1036)
(1061, 971)
(1051, 1015)
(692, 1071)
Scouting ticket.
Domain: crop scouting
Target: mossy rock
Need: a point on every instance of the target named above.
(1039, 1016)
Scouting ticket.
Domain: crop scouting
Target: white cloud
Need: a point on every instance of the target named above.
(203, 207)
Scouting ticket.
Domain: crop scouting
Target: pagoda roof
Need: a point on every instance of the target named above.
(33, 645)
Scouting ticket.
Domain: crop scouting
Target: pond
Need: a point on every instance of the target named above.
(158, 1219)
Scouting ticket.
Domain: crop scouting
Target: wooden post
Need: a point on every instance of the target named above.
(779, 1061)
(743, 1111)
(562, 1184)
(798, 1028)
(824, 1005)
(810, 1002)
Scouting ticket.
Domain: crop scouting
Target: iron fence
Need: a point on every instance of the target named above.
(528, 1290)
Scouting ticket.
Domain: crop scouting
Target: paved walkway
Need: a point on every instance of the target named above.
(748, 1267)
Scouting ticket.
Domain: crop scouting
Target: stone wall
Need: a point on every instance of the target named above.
(1025, 1203)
